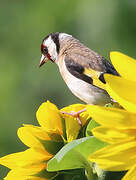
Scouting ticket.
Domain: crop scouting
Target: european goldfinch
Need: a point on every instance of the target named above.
(81, 68)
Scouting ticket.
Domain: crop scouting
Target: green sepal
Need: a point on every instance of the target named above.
(45, 174)
(107, 175)
(54, 136)
(92, 124)
(63, 128)
(75, 174)
(52, 147)
(109, 105)
(117, 175)
(82, 132)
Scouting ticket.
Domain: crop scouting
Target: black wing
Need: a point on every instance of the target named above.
(90, 76)
(77, 70)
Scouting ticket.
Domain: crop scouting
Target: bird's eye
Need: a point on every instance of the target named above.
(45, 50)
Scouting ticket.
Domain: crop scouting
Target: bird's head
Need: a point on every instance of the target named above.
(50, 47)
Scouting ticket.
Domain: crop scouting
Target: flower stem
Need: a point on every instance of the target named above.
(89, 171)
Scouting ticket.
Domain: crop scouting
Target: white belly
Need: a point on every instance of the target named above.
(84, 91)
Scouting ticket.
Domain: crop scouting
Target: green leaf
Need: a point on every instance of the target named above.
(75, 154)
(92, 124)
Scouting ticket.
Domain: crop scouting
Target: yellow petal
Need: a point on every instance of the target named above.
(123, 91)
(27, 159)
(72, 125)
(125, 65)
(112, 117)
(112, 135)
(23, 174)
(116, 157)
(30, 136)
(49, 118)
(131, 174)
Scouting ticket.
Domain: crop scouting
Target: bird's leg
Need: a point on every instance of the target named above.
(75, 114)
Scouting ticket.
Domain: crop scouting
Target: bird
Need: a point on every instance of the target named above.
(81, 68)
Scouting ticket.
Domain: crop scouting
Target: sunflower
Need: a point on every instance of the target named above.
(118, 126)
(43, 142)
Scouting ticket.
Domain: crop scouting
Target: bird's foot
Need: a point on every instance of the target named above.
(75, 114)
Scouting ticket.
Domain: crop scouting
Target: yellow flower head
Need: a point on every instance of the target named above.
(43, 142)
(118, 126)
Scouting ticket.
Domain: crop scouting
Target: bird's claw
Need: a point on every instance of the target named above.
(75, 115)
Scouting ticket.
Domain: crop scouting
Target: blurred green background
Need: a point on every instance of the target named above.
(103, 26)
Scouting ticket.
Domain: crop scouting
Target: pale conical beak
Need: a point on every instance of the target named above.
(43, 60)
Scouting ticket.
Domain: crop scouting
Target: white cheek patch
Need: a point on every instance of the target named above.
(49, 43)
